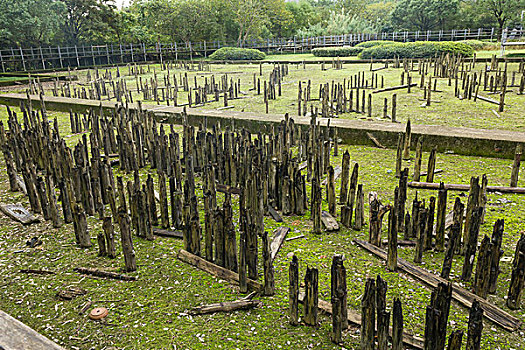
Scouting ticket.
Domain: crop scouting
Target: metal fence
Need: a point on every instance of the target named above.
(44, 58)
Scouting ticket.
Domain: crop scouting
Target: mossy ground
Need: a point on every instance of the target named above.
(152, 312)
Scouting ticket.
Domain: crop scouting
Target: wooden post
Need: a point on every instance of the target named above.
(80, 226)
(383, 317)
(441, 215)
(399, 154)
(126, 241)
(453, 241)
(516, 167)
(471, 243)
(472, 203)
(293, 293)
(420, 225)
(269, 282)
(408, 138)
(437, 317)
(330, 190)
(431, 165)
(339, 301)
(403, 181)
(417, 162)
(368, 322)
(483, 268)
(497, 238)
(107, 225)
(455, 340)
(475, 327)
(394, 107)
(311, 296)
(359, 208)
(517, 280)
(243, 277)
(391, 262)
(345, 172)
(429, 227)
(397, 325)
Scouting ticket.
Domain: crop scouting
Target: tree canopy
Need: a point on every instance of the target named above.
(74, 22)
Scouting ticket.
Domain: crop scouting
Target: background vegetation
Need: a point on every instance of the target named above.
(73, 22)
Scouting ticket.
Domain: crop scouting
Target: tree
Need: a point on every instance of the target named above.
(423, 14)
(503, 10)
(29, 22)
(250, 16)
(89, 20)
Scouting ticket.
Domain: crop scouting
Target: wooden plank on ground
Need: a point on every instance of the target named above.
(337, 172)
(392, 88)
(461, 295)
(355, 318)
(18, 213)
(462, 187)
(14, 335)
(279, 235)
(216, 270)
(227, 306)
(274, 214)
(167, 233)
(329, 222)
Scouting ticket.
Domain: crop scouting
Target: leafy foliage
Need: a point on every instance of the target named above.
(30, 22)
(343, 51)
(418, 49)
(423, 14)
(235, 53)
(339, 24)
(372, 43)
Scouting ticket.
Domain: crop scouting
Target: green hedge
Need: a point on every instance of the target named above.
(372, 43)
(235, 53)
(480, 45)
(341, 51)
(418, 49)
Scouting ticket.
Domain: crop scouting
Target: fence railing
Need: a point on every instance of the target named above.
(60, 57)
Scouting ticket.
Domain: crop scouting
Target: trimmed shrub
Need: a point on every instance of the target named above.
(236, 53)
(480, 45)
(341, 51)
(372, 43)
(418, 49)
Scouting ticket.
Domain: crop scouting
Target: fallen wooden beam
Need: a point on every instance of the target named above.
(486, 99)
(355, 318)
(461, 187)
(227, 189)
(279, 236)
(329, 222)
(15, 335)
(437, 171)
(227, 306)
(374, 140)
(37, 272)
(104, 274)
(274, 214)
(167, 233)
(18, 213)
(461, 295)
(400, 243)
(394, 88)
(337, 172)
(218, 271)
(378, 68)
(294, 238)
